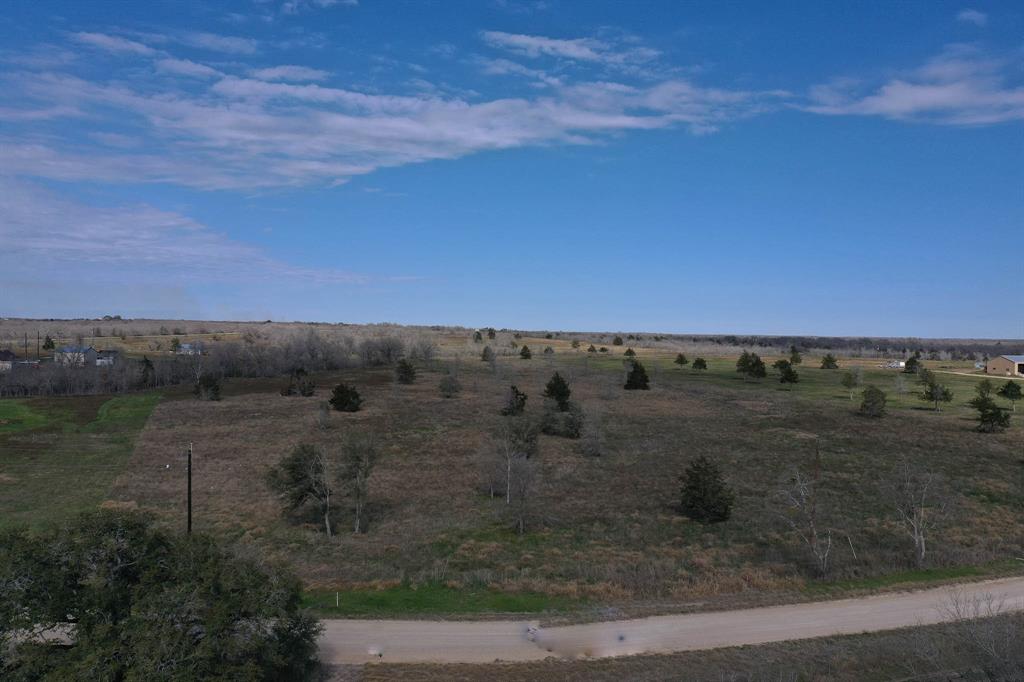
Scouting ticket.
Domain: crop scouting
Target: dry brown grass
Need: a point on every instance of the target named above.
(610, 532)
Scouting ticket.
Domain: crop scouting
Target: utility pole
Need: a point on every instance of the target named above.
(37, 344)
(189, 469)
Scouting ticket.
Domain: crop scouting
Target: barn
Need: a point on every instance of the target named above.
(1006, 366)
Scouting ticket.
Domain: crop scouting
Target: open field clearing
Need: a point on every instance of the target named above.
(61, 455)
(605, 529)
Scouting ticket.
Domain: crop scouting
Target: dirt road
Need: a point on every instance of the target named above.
(360, 641)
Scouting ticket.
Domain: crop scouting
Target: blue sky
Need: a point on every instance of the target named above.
(817, 168)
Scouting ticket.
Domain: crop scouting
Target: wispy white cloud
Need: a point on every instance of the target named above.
(506, 67)
(185, 67)
(296, 6)
(591, 50)
(290, 72)
(116, 140)
(24, 115)
(244, 132)
(205, 128)
(958, 87)
(585, 49)
(219, 43)
(114, 44)
(522, 6)
(133, 239)
(972, 16)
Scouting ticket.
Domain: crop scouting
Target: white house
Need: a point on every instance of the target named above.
(75, 356)
(190, 349)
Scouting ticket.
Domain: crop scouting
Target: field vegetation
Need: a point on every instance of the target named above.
(587, 508)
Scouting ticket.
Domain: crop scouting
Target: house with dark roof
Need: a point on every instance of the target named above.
(107, 358)
(7, 360)
(75, 356)
(1006, 366)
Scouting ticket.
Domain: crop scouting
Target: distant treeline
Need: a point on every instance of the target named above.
(252, 356)
(954, 349)
(849, 346)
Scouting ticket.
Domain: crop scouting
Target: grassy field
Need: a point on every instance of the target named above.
(409, 600)
(607, 529)
(59, 456)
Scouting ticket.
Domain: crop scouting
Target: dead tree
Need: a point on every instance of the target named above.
(919, 503)
(803, 515)
(509, 468)
(981, 640)
(359, 455)
(522, 479)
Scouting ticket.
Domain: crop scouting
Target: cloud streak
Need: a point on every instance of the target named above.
(139, 239)
(290, 72)
(218, 43)
(185, 67)
(245, 128)
(214, 130)
(575, 49)
(958, 87)
(114, 44)
(972, 16)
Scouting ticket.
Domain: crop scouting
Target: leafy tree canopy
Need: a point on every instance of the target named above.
(558, 390)
(405, 372)
(144, 604)
(345, 398)
(705, 497)
(637, 377)
(872, 402)
(1011, 391)
(516, 402)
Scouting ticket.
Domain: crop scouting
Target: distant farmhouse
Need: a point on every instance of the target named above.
(106, 358)
(75, 356)
(190, 349)
(1006, 365)
(7, 360)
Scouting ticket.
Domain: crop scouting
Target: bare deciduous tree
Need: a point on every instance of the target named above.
(802, 511)
(900, 385)
(359, 455)
(323, 416)
(522, 477)
(592, 439)
(983, 640)
(515, 440)
(920, 503)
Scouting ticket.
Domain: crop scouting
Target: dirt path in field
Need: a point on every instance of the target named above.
(362, 641)
(968, 373)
